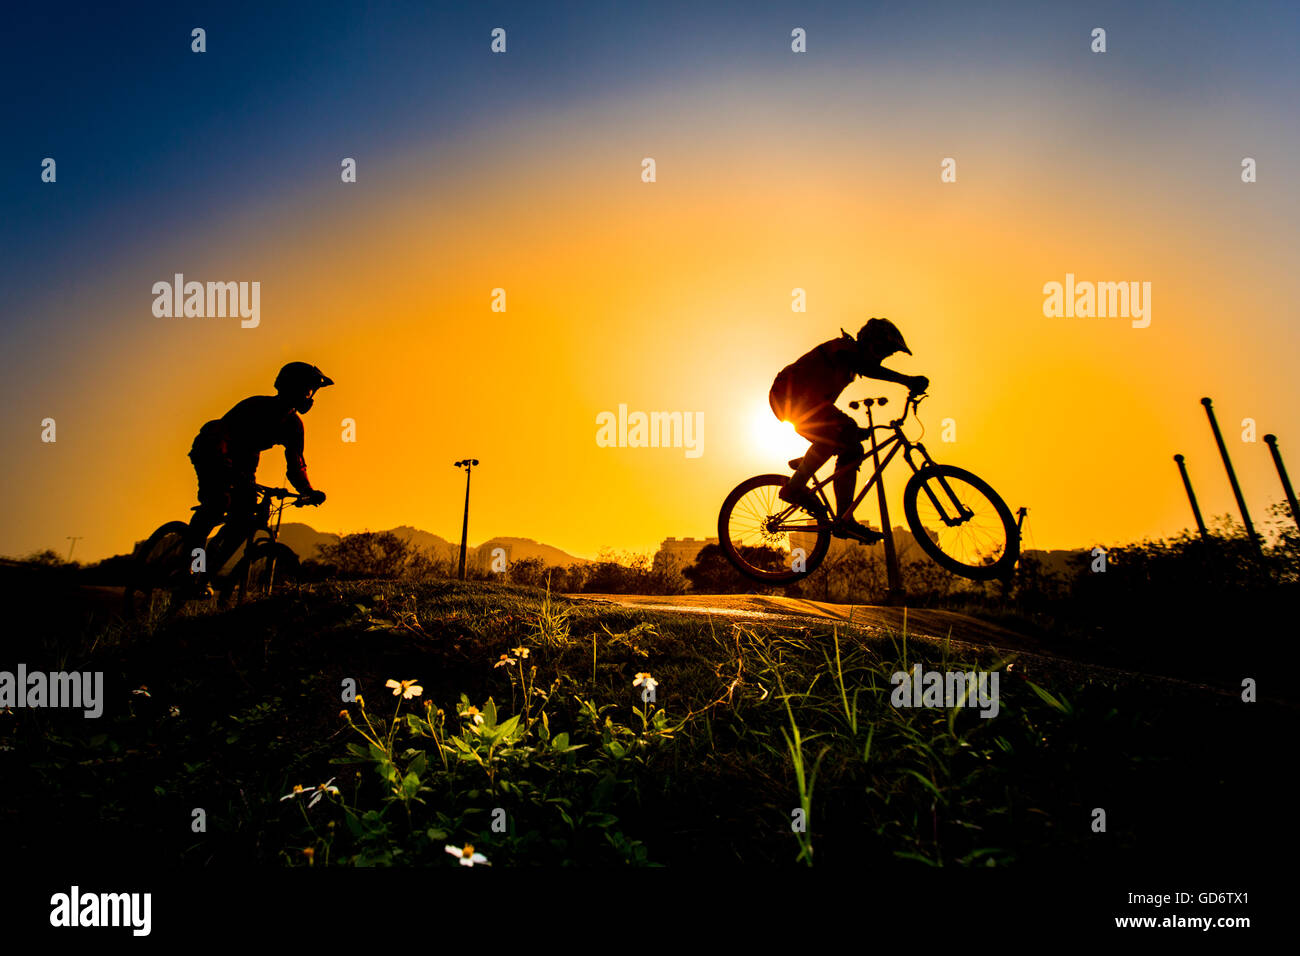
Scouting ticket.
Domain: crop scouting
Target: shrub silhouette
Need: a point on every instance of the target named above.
(712, 573)
(371, 554)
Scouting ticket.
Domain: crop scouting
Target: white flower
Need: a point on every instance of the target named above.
(521, 651)
(297, 791)
(473, 714)
(505, 659)
(321, 790)
(644, 678)
(174, 712)
(467, 855)
(142, 689)
(407, 688)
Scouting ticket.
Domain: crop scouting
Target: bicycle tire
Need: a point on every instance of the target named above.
(727, 534)
(160, 567)
(1010, 537)
(266, 563)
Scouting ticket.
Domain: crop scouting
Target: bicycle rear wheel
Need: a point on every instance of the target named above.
(766, 539)
(962, 523)
(160, 574)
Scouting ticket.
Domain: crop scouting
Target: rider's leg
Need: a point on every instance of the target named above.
(214, 501)
(241, 517)
(850, 458)
(813, 458)
(807, 420)
(796, 490)
(841, 436)
(846, 478)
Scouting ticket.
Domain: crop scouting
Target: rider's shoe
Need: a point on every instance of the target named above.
(804, 498)
(848, 528)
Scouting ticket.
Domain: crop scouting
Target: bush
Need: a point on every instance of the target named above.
(712, 573)
(376, 555)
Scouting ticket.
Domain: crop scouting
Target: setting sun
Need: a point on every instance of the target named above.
(775, 438)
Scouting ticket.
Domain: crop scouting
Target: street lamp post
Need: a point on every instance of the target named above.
(468, 464)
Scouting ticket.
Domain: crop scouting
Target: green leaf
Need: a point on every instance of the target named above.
(417, 766)
(1047, 698)
(925, 780)
(410, 785)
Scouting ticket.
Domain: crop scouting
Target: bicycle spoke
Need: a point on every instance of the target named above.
(752, 522)
(977, 540)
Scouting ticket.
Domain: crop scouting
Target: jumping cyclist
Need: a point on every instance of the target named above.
(804, 394)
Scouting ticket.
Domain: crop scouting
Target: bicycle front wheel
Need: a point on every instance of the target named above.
(766, 539)
(160, 574)
(962, 523)
(267, 568)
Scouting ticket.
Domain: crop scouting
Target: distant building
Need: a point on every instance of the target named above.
(682, 550)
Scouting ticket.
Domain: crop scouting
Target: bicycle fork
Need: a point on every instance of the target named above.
(963, 513)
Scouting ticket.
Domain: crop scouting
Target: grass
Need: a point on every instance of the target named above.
(761, 743)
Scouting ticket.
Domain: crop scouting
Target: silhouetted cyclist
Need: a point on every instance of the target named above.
(226, 452)
(804, 394)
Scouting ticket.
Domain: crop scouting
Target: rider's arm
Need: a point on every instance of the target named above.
(886, 375)
(294, 462)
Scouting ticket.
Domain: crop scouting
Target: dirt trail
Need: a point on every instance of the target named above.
(963, 632)
(920, 622)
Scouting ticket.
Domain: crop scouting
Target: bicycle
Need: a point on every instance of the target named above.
(773, 542)
(161, 581)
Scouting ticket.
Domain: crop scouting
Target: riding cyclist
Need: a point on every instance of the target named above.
(804, 394)
(226, 452)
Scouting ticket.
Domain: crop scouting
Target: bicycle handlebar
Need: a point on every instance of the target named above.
(910, 403)
(282, 493)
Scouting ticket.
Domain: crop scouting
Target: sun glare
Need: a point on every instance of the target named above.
(777, 438)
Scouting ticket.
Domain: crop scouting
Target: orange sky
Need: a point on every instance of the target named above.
(675, 296)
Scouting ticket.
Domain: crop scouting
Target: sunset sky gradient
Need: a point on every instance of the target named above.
(522, 171)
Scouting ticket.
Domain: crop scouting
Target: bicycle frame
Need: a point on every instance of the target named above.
(894, 442)
(268, 504)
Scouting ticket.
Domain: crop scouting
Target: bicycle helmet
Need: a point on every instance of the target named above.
(882, 337)
(299, 381)
(301, 377)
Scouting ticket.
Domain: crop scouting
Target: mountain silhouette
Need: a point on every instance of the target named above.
(307, 542)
